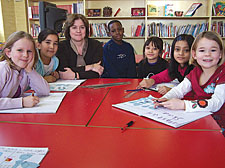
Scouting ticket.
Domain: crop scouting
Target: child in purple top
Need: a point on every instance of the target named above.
(178, 66)
(17, 73)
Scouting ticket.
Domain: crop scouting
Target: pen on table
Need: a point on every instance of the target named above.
(133, 90)
(144, 88)
(127, 125)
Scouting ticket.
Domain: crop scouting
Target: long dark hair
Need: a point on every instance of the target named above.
(44, 34)
(173, 66)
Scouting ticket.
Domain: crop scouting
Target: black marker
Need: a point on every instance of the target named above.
(127, 125)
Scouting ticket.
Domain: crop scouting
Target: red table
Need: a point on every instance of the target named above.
(84, 147)
(76, 108)
(107, 115)
(101, 144)
(93, 107)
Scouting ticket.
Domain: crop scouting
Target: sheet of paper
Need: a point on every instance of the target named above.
(47, 104)
(65, 85)
(20, 157)
(145, 107)
(169, 84)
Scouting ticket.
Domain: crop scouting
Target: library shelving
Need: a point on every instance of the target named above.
(167, 27)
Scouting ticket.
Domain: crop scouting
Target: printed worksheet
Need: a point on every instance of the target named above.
(145, 107)
(65, 85)
(20, 157)
(47, 104)
(169, 84)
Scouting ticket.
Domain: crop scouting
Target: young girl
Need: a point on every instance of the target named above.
(178, 66)
(152, 63)
(47, 63)
(206, 81)
(16, 66)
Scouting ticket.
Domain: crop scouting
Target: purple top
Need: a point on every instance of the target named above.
(11, 79)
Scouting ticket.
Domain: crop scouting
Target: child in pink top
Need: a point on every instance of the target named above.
(178, 66)
(17, 72)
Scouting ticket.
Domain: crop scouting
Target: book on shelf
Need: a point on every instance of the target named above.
(138, 30)
(193, 8)
(169, 10)
(30, 13)
(66, 7)
(35, 29)
(78, 7)
(213, 9)
(152, 10)
(35, 12)
(98, 30)
(219, 27)
(220, 8)
(170, 30)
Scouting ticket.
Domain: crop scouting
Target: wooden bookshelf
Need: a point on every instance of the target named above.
(202, 15)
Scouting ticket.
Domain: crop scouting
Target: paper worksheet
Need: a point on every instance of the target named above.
(145, 107)
(169, 84)
(65, 85)
(47, 104)
(20, 157)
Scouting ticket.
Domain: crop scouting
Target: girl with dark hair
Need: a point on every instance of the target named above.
(152, 63)
(47, 61)
(179, 65)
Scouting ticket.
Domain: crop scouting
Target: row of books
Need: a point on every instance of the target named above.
(160, 29)
(163, 30)
(140, 30)
(77, 7)
(219, 27)
(98, 30)
(35, 29)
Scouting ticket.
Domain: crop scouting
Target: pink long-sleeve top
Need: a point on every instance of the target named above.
(11, 79)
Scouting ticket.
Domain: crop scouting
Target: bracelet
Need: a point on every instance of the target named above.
(75, 78)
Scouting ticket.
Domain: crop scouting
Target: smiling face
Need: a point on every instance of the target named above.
(116, 31)
(181, 52)
(21, 53)
(207, 54)
(78, 30)
(151, 53)
(49, 46)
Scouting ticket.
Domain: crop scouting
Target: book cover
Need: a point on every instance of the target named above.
(138, 31)
(66, 7)
(74, 6)
(220, 8)
(152, 10)
(169, 10)
(191, 11)
(30, 13)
